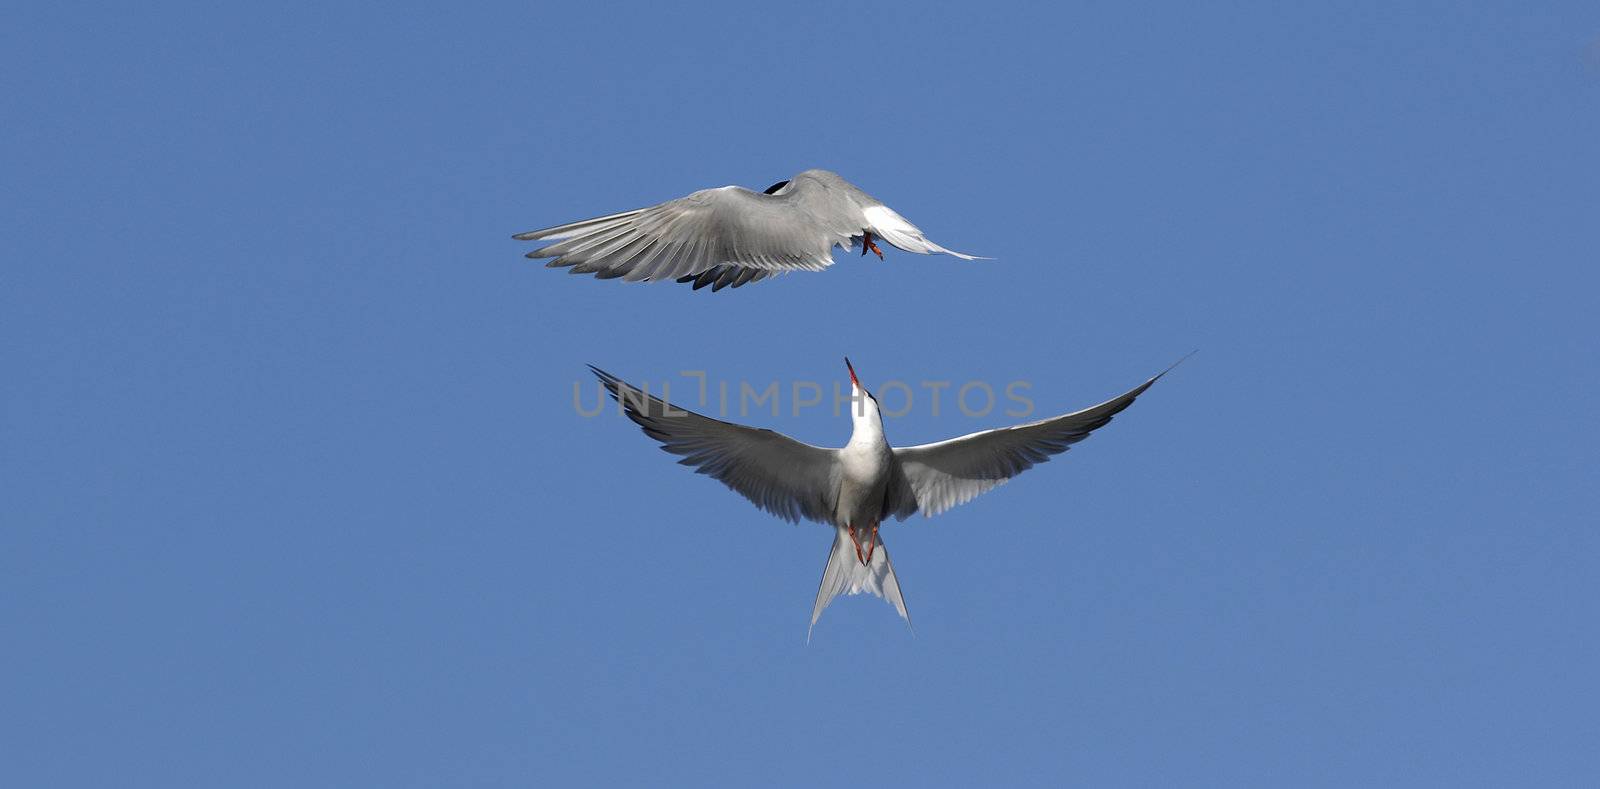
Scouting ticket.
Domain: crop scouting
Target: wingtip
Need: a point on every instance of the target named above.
(1174, 365)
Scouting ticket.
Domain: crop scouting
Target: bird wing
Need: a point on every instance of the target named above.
(783, 476)
(724, 236)
(933, 478)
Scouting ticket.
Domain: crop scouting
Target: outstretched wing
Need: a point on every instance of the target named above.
(719, 237)
(776, 473)
(932, 478)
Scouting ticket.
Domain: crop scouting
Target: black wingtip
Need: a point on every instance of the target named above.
(1174, 365)
(1158, 376)
(1140, 389)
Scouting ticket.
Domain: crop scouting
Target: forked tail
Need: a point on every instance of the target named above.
(895, 229)
(845, 574)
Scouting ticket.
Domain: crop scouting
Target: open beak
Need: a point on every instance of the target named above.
(852, 370)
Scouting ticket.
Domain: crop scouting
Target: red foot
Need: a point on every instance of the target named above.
(866, 245)
(857, 544)
(872, 546)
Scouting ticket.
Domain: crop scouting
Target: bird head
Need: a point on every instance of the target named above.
(863, 404)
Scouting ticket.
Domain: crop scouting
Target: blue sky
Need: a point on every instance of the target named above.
(294, 492)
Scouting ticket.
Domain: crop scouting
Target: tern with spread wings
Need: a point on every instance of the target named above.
(855, 488)
(731, 236)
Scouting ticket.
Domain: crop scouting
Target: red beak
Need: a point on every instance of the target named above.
(852, 372)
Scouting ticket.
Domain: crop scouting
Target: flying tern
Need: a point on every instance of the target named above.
(731, 236)
(857, 487)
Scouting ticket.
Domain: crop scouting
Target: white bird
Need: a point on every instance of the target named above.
(731, 235)
(856, 488)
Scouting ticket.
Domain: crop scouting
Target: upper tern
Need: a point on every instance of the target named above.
(730, 236)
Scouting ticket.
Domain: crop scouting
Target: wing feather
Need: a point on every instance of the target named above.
(728, 227)
(785, 477)
(932, 478)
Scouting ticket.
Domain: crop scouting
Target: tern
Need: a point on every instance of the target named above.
(857, 487)
(731, 236)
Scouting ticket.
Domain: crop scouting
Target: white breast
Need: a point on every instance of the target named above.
(864, 477)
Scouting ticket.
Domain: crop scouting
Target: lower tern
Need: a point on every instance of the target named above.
(731, 236)
(857, 487)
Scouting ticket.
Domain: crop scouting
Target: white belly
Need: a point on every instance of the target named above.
(862, 485)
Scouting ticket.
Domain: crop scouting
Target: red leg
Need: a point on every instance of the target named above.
(857, 544)
(866, 244)
(872, 546)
